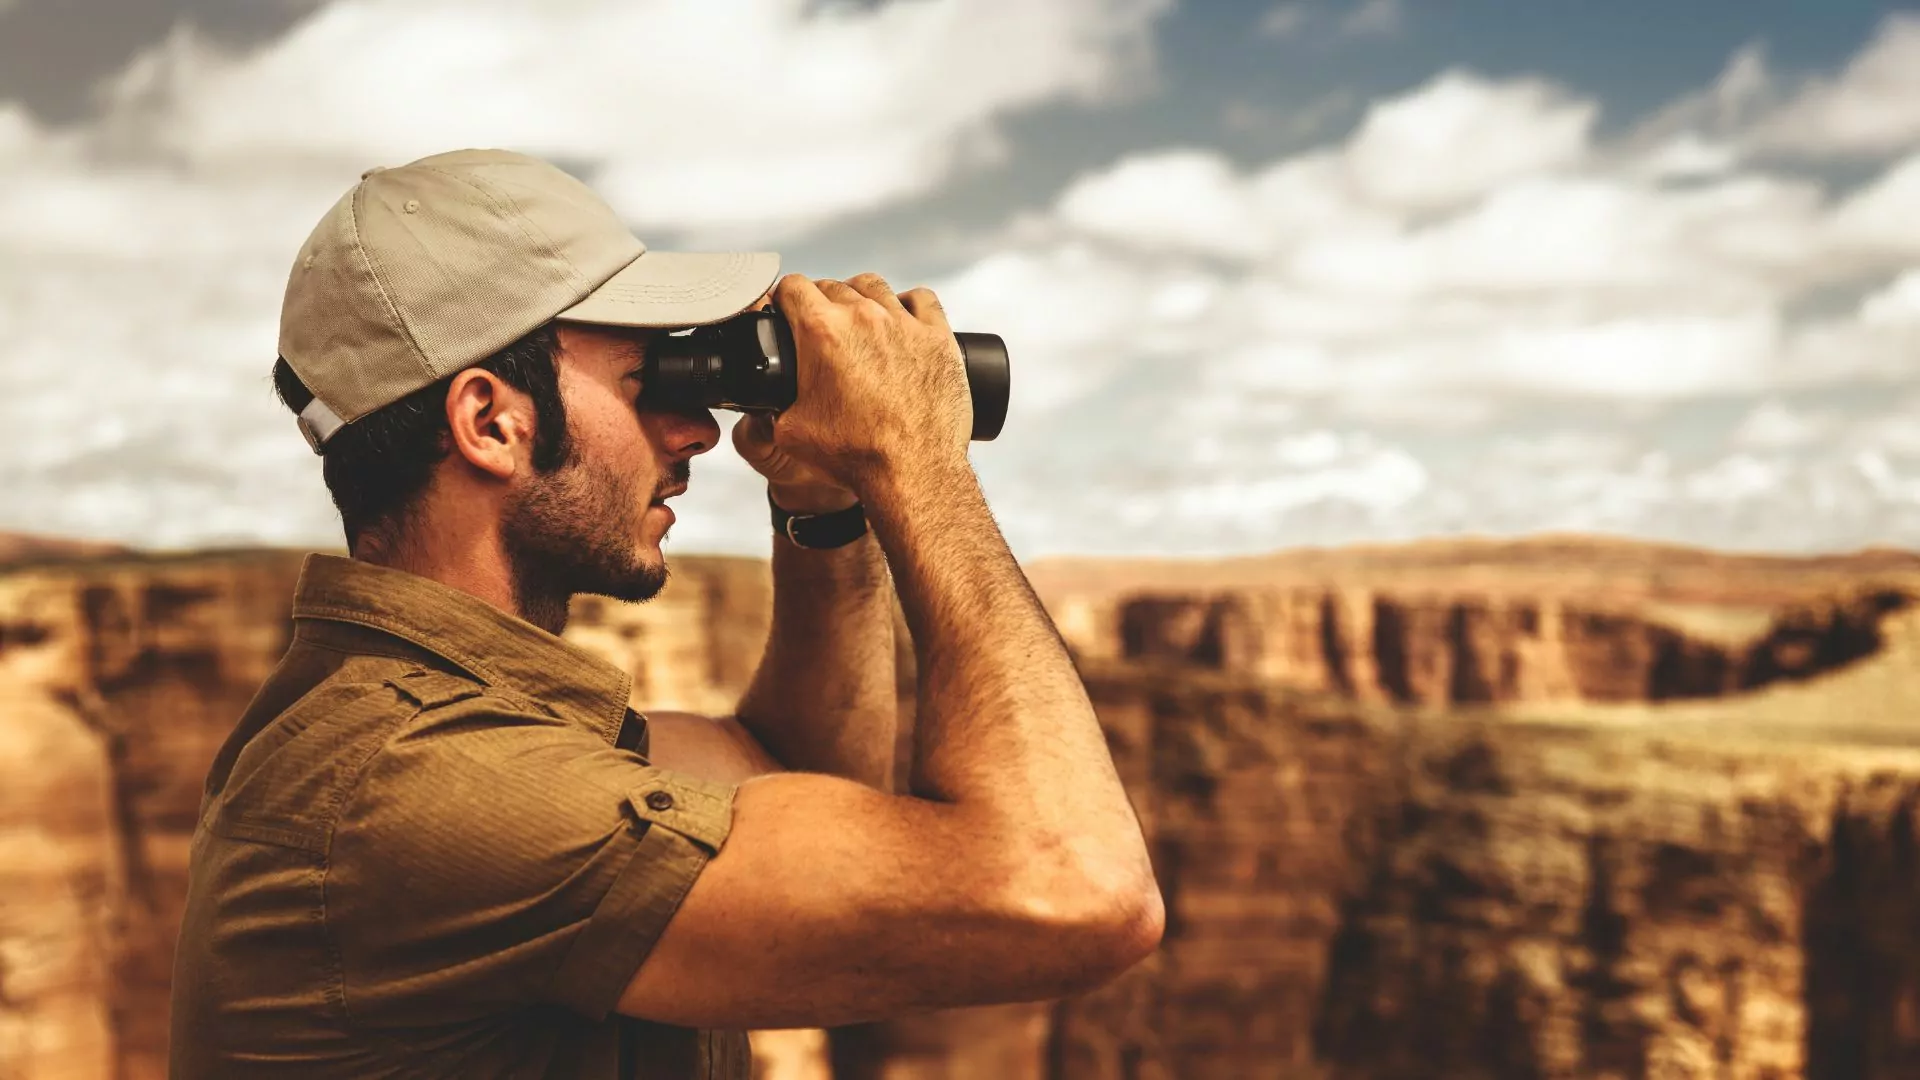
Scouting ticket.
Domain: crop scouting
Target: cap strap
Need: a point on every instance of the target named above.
(318, 423)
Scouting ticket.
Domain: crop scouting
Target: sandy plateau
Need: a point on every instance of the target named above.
(1548, 808)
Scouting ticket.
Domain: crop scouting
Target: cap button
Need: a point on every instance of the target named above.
(375, 169)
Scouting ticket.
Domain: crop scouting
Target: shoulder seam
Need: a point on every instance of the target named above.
(429, 688)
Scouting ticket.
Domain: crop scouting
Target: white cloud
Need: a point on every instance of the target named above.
(18, 133)
(1191, 200)
(1461, 136)
(1736, 478)
(1069, 303)
(1774, 425)
(1893, 431)
(1257, 491)
(1871, 108)
(682, 109)
(1896, 305)
(1888, 480)
(1543, 268)
(1471, 311)
(142, 255)
(1521, 268)
(1687, 156)
(1885, 216)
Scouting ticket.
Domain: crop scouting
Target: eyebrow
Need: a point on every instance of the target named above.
(634, 348)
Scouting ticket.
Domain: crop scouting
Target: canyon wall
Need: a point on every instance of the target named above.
(1367, 894)
(1392, 897)
(1355, 888)
(1434, 649)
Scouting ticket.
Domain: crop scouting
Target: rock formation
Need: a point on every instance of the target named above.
(1388, 896)
(1359, 885)
(1438, 650)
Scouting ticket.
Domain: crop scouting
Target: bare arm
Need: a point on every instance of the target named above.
(824, 698)
(1015, 869)
(711, 748)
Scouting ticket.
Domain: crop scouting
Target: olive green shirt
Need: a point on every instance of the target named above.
(434, 846)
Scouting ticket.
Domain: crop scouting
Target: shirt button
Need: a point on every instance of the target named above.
(660, 800)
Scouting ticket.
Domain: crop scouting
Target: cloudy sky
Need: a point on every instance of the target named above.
(1274, 273)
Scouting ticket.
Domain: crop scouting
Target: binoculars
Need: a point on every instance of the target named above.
(746, 363)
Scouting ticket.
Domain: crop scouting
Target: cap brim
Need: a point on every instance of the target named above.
(667, 289)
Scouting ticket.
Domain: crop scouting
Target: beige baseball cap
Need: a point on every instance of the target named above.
(431, 267)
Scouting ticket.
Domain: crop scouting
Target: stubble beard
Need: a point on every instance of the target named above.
(576, 530)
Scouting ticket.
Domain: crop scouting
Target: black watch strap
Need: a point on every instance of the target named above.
(831, 530)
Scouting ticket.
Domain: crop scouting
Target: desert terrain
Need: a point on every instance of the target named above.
(1559, 807)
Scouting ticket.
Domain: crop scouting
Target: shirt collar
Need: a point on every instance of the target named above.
(493, 646)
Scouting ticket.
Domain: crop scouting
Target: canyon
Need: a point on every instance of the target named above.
(1549, 808)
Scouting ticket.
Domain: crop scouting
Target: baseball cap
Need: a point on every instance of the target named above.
(427, 268)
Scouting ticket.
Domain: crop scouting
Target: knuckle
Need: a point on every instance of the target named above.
(812, 323)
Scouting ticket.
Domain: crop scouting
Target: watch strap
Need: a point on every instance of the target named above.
(837, 528)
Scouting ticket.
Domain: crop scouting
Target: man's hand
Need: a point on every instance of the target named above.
(797, 487)
(882, 386)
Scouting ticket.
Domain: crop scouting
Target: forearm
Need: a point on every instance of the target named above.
(1004, 726)
(824, 697)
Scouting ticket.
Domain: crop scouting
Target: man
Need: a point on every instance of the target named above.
(440, 844)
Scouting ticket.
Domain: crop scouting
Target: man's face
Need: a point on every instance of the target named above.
(594, 525)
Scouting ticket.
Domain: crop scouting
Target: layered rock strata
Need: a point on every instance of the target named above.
(1353, 890)
(1438, 650)
(1377, 896)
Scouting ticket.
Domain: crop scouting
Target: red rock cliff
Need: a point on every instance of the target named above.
(1353, 891)
(1466, 650)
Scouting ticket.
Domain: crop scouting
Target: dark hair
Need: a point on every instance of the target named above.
(377, 466)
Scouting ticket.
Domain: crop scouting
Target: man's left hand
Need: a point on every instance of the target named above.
(797, 487)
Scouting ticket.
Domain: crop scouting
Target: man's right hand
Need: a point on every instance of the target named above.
(882, 387)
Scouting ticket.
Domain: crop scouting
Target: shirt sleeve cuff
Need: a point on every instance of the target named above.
(686, 821)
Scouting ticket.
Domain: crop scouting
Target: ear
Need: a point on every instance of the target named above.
(492, 424)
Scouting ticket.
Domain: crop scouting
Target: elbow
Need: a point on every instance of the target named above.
(1100, 928)
(1130, 931)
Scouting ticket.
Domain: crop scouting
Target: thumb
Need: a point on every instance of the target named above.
(753, 438)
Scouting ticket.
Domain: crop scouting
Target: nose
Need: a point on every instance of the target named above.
(691, 433)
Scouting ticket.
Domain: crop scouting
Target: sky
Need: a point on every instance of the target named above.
(1271, 274)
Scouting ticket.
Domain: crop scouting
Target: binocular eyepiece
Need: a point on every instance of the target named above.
(746, 363)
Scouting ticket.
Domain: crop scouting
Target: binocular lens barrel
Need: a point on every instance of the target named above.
(747, 363)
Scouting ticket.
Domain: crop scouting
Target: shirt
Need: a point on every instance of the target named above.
(434, 846)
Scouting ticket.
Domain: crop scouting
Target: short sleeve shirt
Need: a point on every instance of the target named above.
(435, 846)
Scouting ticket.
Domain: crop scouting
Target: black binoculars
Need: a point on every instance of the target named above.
(747, 364)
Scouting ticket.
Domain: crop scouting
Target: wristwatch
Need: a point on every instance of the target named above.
(819, 531)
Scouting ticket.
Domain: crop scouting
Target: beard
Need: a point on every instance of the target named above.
(576, 530)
